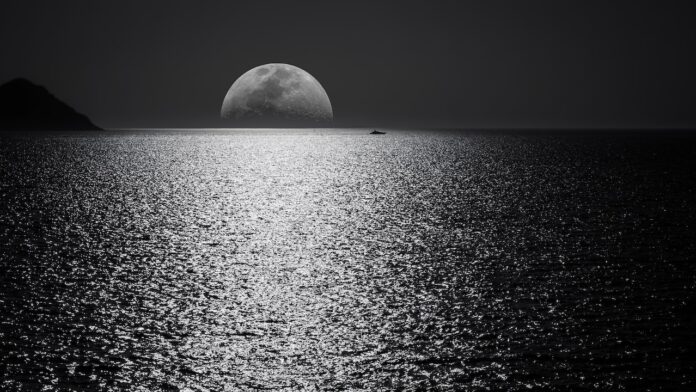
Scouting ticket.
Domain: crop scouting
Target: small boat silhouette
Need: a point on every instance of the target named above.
(376, 132)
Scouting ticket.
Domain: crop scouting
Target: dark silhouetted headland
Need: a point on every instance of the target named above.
(26, 106)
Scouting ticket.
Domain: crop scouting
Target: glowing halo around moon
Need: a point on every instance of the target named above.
(277, 93)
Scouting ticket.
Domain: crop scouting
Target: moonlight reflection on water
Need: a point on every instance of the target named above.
(227, 261)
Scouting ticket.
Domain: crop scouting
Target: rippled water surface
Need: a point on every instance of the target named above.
(343, 261)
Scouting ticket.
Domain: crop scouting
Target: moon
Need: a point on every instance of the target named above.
(277, 92)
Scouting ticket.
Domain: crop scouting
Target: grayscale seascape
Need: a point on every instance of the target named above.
(337, 260)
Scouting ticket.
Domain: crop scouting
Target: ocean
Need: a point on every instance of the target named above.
(336, 260)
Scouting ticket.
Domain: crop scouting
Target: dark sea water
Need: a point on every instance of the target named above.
(335, 260)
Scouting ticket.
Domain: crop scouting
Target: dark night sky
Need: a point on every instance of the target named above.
(401, 63)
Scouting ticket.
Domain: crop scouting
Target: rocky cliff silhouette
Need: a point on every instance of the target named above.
(25, 106)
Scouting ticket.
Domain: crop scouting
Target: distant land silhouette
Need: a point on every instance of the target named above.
(25, 106)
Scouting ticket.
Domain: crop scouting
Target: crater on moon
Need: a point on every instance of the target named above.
(274, 93)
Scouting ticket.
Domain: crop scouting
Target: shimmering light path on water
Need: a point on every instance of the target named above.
(343, 261)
